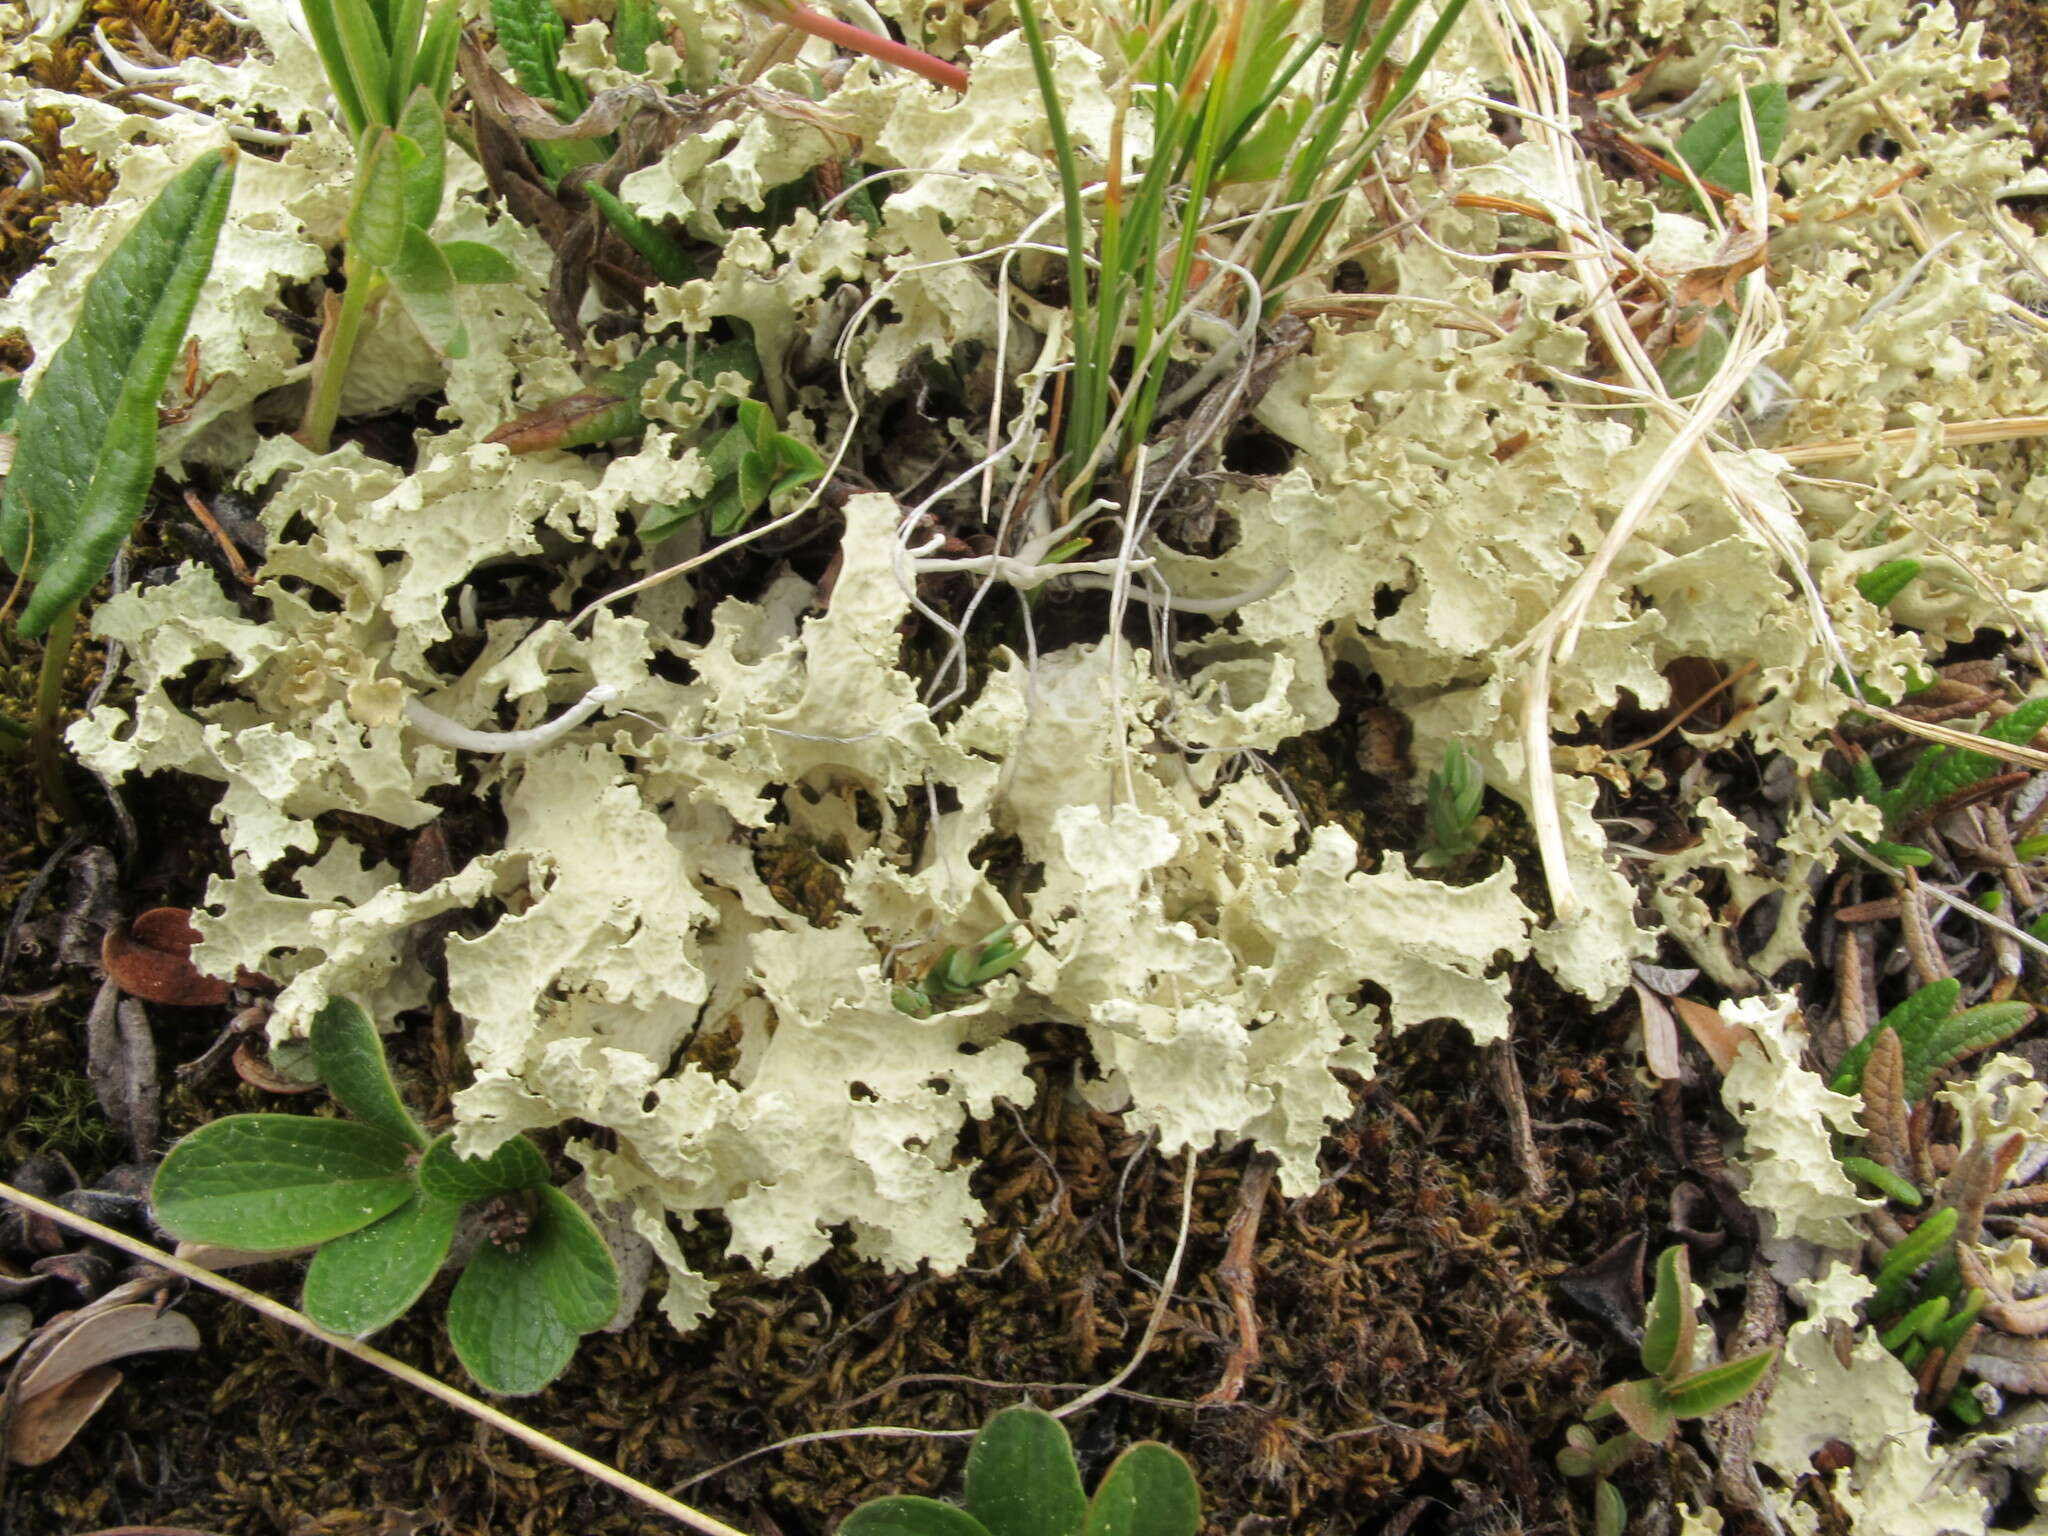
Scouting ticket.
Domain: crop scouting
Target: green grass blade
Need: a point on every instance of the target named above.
(406, 22)
(86, 446)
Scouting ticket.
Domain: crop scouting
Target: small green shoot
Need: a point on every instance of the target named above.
(1022, 1481)
(1650, 1409)
(381, 1201)
(1714, 147)
(1882, 583)
(961, 971)
(1453, 799)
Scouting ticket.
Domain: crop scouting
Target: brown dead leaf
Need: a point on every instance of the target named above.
(151, 958)
(120, 1063)
(99, 1335)
(252, 1069)
(1887, 1118)
(548, 425)
(1712, 283)
(38, 1431)
(2011, 1362)
(526, 116)
(1720, 1039)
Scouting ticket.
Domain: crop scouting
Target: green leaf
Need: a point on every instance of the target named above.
(366, 1279)
(907, 1514)
(1714, 146)
(1669, 1324)
(1643, 1408)
(1913, 1016)
(1896, 1273)
(403, 36)
(269, 1182)
(1923, 1322)
(423, 146)
(377, 217)
(1959, 1035)
(366, 61)
(1883, 1180)
(434, 65)
(322, 22)
(474, 262)
(634, 26)
(505, 1328)
(1148, 1491)
(515, 1165)
(425, 285)
(656, 249)
(1718, 1386)
(86, 448)
(531, 33)
(1881, 584)
(349, 1055)
(574, 1263)
(1021, 1478)
(10, 402)
(1610, 1510)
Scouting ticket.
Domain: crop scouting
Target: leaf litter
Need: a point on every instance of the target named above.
(731, 1065)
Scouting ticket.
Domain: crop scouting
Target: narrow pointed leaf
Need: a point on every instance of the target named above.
(367, 59)
(434, 64)
(369, 1278)
(1148, 1491)
(1959, 1035)
(1668, 1325)
(515, 1165)
(406, 19)
(1717, 1386)
(321, 22)
(1021, 1478)
(504, 1327)
(909, 1515)
(655, 248)
(270, 1182)
(86, 448)
(574, 1263)
(348, 1053)
(634, 26)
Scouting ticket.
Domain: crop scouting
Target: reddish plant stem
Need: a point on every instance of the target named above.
(859, 40)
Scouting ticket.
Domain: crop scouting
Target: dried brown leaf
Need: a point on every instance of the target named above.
(1720, 1039)
(100, 1335)
(1887, 1118)
(2011, 1362)
(151, 958)
(38, 1431)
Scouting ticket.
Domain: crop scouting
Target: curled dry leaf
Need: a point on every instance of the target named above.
(1717, 1037)
(39, 1429)
(121, 1064)
(1660, 1034)
(252, 1069)
(151, 958)
(1887, 1119)
(67, 1373)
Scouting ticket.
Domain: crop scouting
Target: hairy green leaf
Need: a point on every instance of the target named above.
(1962, 1034)
(1021, 1478)
(87, 437)
(1643, 1408)
(634, 27)
(1915, 1015)
(324, 23)
(1885, 582)
(366, 1279)
(269, 1182)
(423, 146)
(348, 1053)
(515, 1165)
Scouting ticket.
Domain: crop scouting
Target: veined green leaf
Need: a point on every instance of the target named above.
(349, 1055)
(425, 285)
(1958, 1035)
(366, 56)
(1021, 1478)
(1714, 146)
(515, 1165)
(87, 437)
(1913, 1016)
(531, 33)
(1643, 1408)
(505, 1329)
(403, 39)
(269, 1182)
(368, 1278)
(376, 219)
(574, 1263)
(1147, 1491)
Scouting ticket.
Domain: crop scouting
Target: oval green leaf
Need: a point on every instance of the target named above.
(425, 285)
(516, 1165)
(1668, 1325)
(908, 1515)
(1021, 1478)
(349, 1055)
(376, 219)
(269, 1182)
(423, 147)
(1148, 1491)
(575, 1262)
(1715, 147)
(86, 446)
(360, 1282)
(1643, 1408)
(505, 1329)
(474, 262)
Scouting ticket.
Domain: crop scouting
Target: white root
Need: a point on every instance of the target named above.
(442, 731)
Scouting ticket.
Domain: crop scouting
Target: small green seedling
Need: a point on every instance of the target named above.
(1650, 1409)
(1942, 778)
(1022, 1481)
(1455, 825)
(381, 1200)
(392, 65)
(961, 971)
